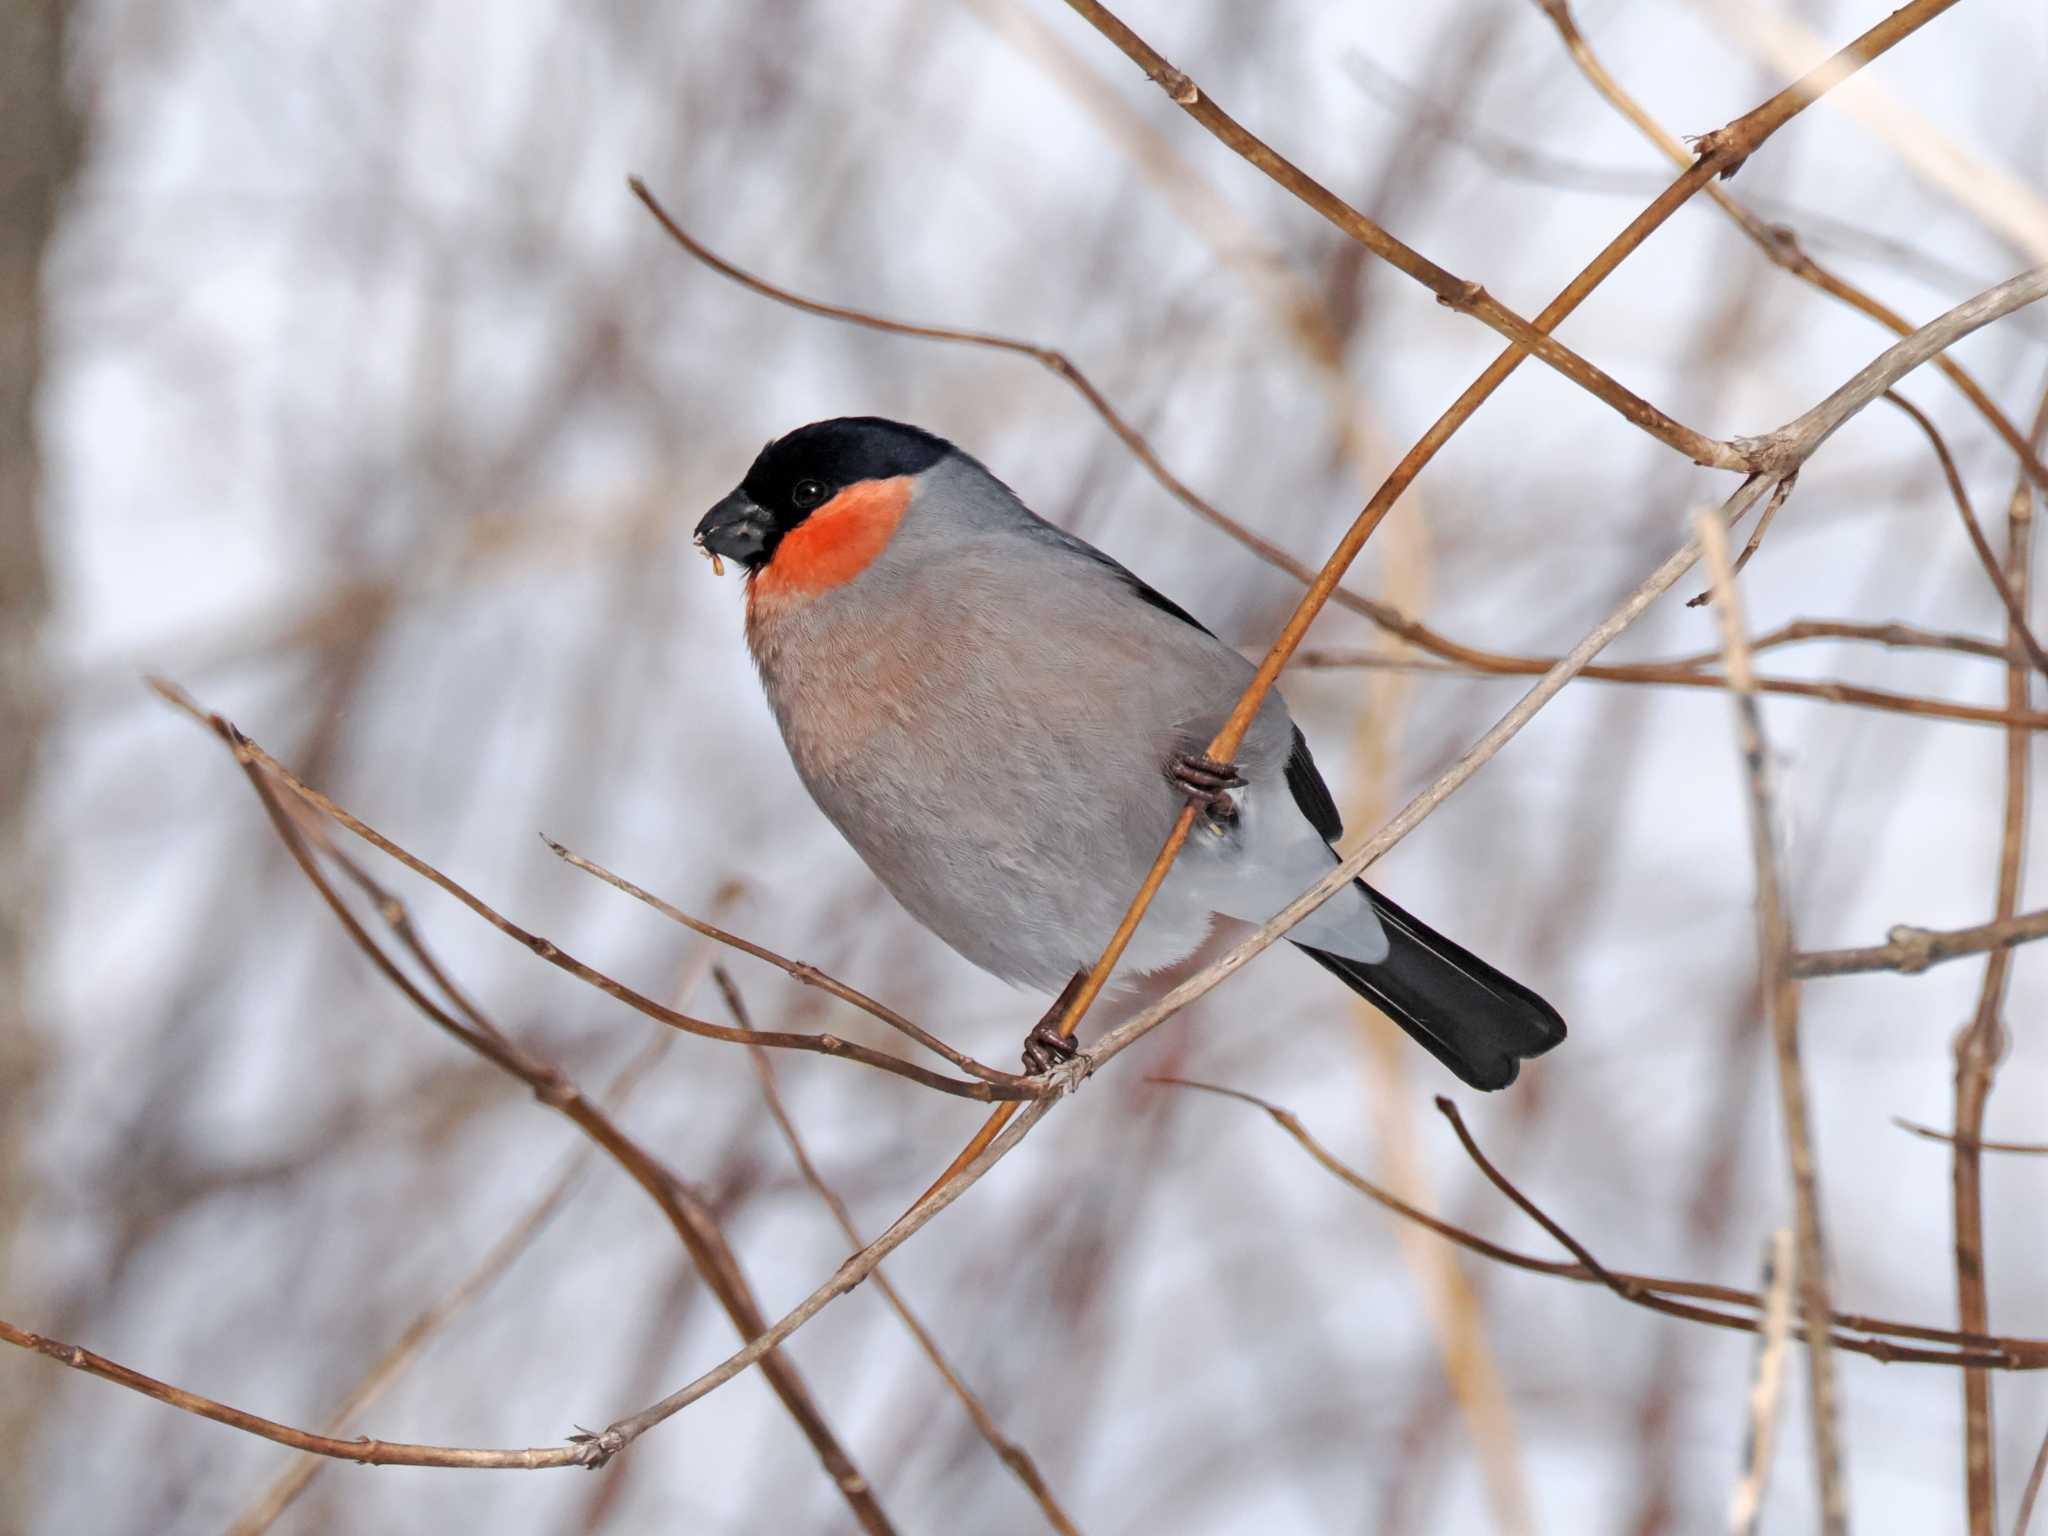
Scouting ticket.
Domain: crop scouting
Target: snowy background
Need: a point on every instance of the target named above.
(377, 412)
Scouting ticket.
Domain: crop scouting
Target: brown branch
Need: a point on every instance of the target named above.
(798, 970)
(506, 1252)
(1895, 636)
(248, 752)
(382, 1453)
(1951, 1138)
(2015, 606)
(1781, 993)
(689, 1216)
(1778, 241)
(1005, 1129)
(2033, 1490)
(1786, 449)
(1525, 337)
(692, 1220)
(1912, 950)
(2016, 1354)
(1386, 616)
(1980, 1044)
(1789, 444)
(1669, 676)
(1011, 1454)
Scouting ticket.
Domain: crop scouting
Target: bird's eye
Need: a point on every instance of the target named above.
(806, 494)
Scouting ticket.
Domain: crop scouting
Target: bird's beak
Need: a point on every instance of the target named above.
(737, 529)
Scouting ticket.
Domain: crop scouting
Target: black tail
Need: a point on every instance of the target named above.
(1460, 1009)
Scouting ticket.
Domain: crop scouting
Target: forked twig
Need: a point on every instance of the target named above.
(2009, 1353)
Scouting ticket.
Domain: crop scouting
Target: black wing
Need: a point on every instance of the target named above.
(1310, 792)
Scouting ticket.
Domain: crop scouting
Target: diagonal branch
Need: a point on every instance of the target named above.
(251, 755)
(1385, 615)
(1008, 1451)
(1778, 241)
(798, 970)
(1971, 1349)
(689, 1216)
(2015, 607)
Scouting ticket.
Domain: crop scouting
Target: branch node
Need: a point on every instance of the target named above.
(1177, 85)
(1466, 297)
(1915, 946)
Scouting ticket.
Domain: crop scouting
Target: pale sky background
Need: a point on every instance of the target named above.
(355, 301)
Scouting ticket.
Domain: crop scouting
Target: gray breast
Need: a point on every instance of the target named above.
(994, 748)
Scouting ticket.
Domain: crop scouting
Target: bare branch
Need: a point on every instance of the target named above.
(1980, 1044)
(1767, 1387)
(1999, 1353)
(1781, 992)
(1776, 240)
(382, 1453)
(1011, 1454)
(808, 974)
(2015, 609)
(501, 1256)
(1912, 950)
(1951, 1138)
(252, 755)
(1385, 615)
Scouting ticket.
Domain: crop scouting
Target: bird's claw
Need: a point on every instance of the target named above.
(1208, 783)
(1045, 1048)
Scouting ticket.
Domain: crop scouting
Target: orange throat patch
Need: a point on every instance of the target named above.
(834, 544)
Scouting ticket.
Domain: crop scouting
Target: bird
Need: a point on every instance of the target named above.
(1005, 723)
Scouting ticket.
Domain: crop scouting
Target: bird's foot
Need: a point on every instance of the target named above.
(1045, 1047)
(1208, 784)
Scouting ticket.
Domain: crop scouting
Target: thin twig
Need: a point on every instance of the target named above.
(1723, 152)
(502, 1255)
(1912, 950)
(1461, 295)
(2014, 1354)
(1784, 450)
(1951, 1138)
(1385, 615)
(1767, 1387)
(799, 970)
(2015, 606)
(2033, 1490)
(1782, 490)
(824, 1045)
(1011, 1454)
(1778, 241)
(382, 1453)
(1781, 993)
(1691, 677)
(1981, 1043)
(688, 1215)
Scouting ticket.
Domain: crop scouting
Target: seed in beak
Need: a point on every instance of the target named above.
(717, 565)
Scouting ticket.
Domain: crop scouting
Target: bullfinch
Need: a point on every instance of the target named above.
(1005, 723)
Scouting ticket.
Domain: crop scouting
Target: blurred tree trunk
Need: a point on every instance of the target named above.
(38, 151)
